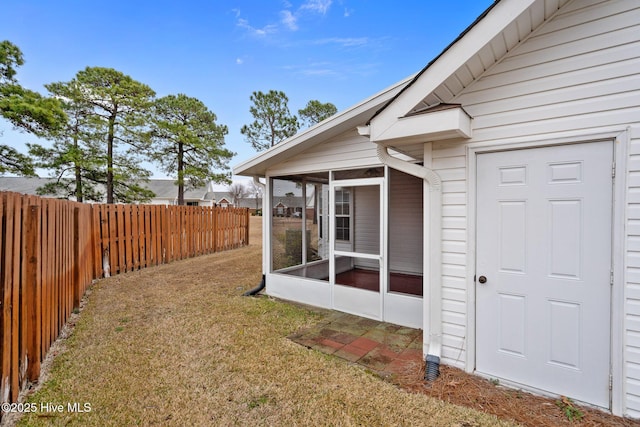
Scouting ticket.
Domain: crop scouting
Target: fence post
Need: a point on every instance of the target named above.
(31, 295)
(76, 258)
(167, 235)
(7, 271)
(247, 219)
(216, 210)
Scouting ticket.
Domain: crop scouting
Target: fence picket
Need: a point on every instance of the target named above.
(6, 264)
(32, 292)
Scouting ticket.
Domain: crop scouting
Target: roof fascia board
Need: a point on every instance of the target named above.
(498, 18)
(332, 126)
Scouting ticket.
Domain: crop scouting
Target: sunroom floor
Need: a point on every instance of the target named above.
(370, 280)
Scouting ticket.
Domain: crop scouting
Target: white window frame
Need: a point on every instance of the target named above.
(342, 215)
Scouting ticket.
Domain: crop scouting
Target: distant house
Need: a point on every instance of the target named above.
(289, 206)
(251, 203)
(223, 199)
(166, 193)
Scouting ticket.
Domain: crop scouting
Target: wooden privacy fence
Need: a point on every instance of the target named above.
(137, 236)
(51, 250)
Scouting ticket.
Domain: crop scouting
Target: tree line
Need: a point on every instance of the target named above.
(103, 125)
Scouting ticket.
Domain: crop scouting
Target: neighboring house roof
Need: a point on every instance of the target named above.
(250, 202)
(290, 201)
(243, 202)
(167, 189)
(163, 188)
(218, 196)
(503, 26)
(23, 185)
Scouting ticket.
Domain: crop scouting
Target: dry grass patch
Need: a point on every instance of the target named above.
(178, 345)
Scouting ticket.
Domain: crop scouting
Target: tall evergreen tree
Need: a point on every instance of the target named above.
(23, 108)
(120, 109)
(74, 158)
(188, 143)
(273, 122)
(316, 111)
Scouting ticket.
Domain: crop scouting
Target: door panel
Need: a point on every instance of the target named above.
(544, 246)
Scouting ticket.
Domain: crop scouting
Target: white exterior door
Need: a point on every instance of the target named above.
(543, 281)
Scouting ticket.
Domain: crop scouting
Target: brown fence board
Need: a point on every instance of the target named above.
(6, 263)
(95, 242)
(32, 291)
(111, 238)
(135, 242)
(157, 235)
(126, 237)
(15, 298)
(45, 264)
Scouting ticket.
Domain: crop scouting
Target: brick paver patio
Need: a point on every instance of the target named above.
(381, 347)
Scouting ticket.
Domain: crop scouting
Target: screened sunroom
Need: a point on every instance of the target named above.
(350, 240)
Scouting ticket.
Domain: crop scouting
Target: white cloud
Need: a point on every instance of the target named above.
(319, 72)
(289, 20)
(333, 70)
(239, 61)
(344, 41)
(260, 32)
(319, 6)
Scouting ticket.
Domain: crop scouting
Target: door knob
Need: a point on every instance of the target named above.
(482, 279)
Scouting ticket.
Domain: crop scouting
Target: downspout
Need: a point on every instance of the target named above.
(263, 282)
(433, 234)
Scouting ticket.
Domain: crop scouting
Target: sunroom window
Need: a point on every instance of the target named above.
(343, 215)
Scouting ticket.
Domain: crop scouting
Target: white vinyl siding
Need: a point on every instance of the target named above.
(449, 161)
(346, 151)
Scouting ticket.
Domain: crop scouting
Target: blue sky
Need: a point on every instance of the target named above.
(339, 51)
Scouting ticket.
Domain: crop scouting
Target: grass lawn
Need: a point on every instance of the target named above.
(179, 345)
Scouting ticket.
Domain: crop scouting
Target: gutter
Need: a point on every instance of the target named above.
(263, 282)
(433, 260)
